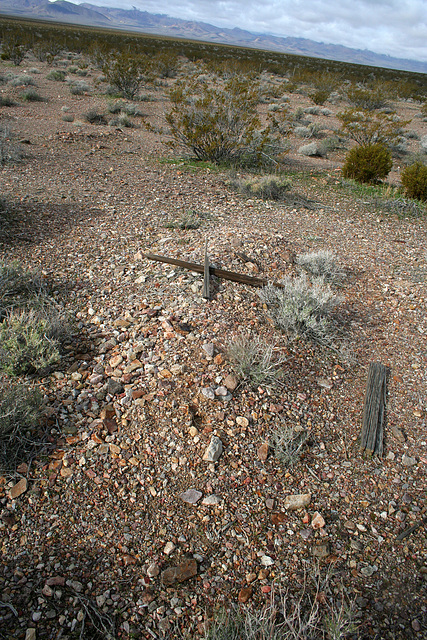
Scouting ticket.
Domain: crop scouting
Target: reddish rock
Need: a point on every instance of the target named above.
(184, 571)
(55, 581)
(278, 518)
(263, 451)
(245, 594)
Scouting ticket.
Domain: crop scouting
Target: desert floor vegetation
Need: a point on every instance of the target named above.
(176, 467)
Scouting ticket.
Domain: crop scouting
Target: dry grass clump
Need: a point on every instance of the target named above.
(191, 219)
(10, 151)
(302, 308)
(269, 187)
(312, 614)
(288, 443)
(255, 360)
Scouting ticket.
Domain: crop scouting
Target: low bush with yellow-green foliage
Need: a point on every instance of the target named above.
(221, 123)
(414, 181)
(368, 163)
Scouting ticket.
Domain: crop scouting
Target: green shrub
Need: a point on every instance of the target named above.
(5, 101)
(255, 360)
(22, 81)
(367, 128)
(302, 308)
(18, 287)
(20, 413)
(79, 87)
(367, 99)
(369, 163)
(265, 187)
(31, 95)
(93, 116)
(124, 72)
(221, 124)
(414, 181)
(13, 49)
(320, 96)
(29, 340)
(58, 75)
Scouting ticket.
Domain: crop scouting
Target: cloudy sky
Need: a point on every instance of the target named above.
(394, 27)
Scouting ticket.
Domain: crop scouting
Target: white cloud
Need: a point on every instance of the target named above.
(394, 27)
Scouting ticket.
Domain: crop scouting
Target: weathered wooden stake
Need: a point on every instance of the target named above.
(374, 409)
(206, 275)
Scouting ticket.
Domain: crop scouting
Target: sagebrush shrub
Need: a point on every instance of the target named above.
(58, 75)
(414, 181)
(18, 287)
(31, 95)
(26, 343)
(221, 124)
(79, 87)
(93, 116)
(321, 264)
(22, 81)
(302, 308)
(368, 163)
(20, 413)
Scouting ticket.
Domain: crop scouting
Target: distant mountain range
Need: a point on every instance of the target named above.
(142, 21)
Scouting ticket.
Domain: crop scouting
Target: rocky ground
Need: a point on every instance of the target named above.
(161, 498)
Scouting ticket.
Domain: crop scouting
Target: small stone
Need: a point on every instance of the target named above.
(30, 634)
(100, 600)
(209, 349)
(306, 533)
(325, 383)
(321, 549)
(278, 518)
(245, 594)
(263, 573)
(368, 571)
(242, 421)
(115, 361)
(191, 496)
(250, 577)
(184, 571)
(317, 521)
(153, 570)
(208, 392)
(262, 451)
(76, 376)
(231, 382)
(18, 489)
(269, 503)
(55, 581)
(47, 591)
(214, 450)
(297, 501)
(114, 448)
(169, 547)
(398, 434)
(407, 461)
(266, 561)
(211, 500)
(390, 456)
(416, 625)
(221, 391)
(114, 387)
